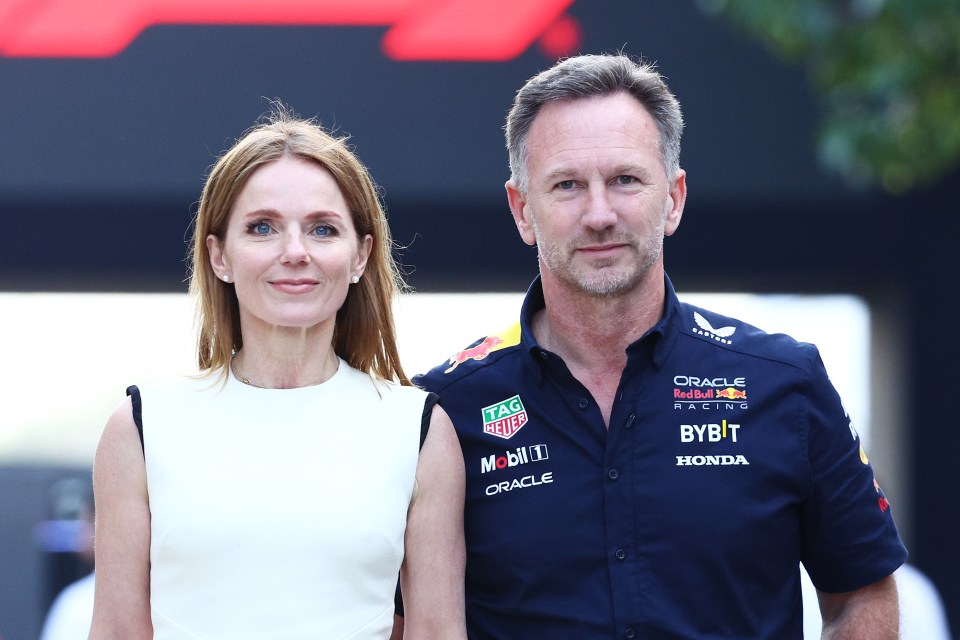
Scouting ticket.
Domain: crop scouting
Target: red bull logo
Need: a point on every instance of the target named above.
(464, 30)
(732, 394)
(694, 394)
(478, 352)
(881, 501)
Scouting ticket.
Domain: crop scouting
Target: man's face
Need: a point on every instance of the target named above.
(599, 203)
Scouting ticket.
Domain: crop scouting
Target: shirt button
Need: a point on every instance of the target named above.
(584, 403)
(613, 474)
(629, 633)
(542, 354)
(620, 554)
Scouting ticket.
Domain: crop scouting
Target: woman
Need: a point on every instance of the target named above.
(276, 496)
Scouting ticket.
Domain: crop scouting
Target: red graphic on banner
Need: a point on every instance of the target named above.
(464, 30)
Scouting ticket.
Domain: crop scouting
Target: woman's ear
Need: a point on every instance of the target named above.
(218, 260)
(363, 254)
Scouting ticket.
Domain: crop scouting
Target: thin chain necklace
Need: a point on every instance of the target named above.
(246, 381)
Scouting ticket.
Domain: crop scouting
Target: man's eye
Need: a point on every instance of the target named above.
(566, 185)
(626, 179)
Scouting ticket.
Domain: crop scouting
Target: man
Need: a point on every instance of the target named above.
(923, 615)
(638, 467)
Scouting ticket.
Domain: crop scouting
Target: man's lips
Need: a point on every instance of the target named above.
(602, 249)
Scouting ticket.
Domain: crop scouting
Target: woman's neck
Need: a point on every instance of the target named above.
(285, 358)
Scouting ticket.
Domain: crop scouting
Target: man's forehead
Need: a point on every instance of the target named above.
(618, 102)
(609, 130)
(597, 118)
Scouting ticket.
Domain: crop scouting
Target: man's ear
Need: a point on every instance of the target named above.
(521, 213)
(675, 202)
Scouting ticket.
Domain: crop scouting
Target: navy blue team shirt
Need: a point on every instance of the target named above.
(728, 460)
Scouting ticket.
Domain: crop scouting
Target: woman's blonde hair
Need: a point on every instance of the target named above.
(364, 335)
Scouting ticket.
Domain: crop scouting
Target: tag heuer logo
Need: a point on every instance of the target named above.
(505, 418)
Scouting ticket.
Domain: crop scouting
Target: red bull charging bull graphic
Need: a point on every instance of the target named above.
(507, 338)
(732, 394)
(478, 352)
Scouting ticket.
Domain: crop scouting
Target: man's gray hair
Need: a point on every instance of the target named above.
(590, 76)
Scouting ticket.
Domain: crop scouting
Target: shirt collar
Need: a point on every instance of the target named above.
(657, 342)
(532, 303)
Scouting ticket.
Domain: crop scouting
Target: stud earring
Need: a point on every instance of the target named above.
(355, 279)
(226, 278)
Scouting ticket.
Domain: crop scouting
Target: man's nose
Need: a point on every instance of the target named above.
(600, 213)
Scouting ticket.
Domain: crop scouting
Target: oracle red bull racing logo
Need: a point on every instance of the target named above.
(468, 30)
(693, 392)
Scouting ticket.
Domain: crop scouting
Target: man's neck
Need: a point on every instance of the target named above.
(593, 332)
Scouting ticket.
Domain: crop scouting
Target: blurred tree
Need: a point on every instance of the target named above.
(888, 76)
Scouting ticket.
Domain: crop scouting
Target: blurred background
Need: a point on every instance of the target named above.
(821, 151)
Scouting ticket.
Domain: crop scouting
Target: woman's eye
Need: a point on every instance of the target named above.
(323, 231)
(259, 228)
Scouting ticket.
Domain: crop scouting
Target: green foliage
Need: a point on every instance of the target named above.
(887, 73)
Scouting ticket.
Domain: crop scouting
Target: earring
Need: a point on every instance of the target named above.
(355, 279)
(226, 278)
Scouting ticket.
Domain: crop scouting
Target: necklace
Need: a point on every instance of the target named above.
(245, 381)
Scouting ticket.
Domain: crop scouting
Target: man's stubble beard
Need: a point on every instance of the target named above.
(601, 280)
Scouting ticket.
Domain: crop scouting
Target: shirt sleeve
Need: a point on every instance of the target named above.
(850, 538)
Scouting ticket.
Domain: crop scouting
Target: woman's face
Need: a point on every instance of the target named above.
(290, 247)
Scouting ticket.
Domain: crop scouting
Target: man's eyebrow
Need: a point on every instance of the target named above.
(560, 173)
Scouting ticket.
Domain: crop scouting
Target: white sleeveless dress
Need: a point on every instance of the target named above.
(278, 514)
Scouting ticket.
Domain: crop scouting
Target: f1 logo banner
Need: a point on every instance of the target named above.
(456, 30)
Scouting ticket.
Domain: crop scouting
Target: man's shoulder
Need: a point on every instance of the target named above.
(481, 355)
(739, 337)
